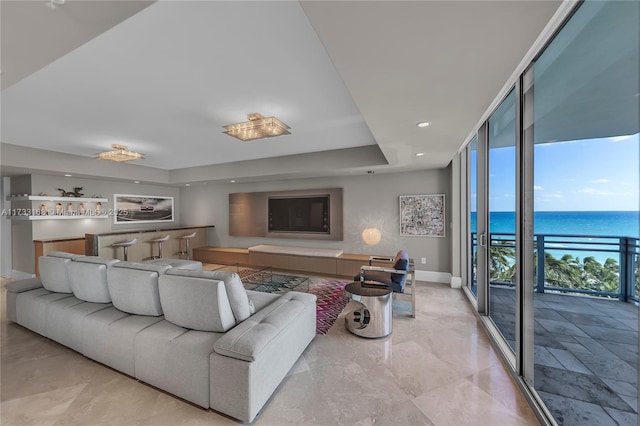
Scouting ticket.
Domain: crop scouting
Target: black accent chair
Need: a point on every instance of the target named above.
(393, 276)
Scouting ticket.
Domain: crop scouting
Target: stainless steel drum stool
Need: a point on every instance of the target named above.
(375, 315)
(186, 239)
(159, 240)
(125, 245)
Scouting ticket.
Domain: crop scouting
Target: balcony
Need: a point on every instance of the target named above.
(585, 323)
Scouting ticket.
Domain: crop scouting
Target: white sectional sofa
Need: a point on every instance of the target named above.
(196, 334)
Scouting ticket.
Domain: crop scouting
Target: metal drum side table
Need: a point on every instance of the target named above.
(374, 317)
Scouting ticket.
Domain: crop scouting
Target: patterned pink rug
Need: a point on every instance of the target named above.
(331, 302)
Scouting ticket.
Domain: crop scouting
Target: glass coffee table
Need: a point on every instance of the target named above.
(262, 278)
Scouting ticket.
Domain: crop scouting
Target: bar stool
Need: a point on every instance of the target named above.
(125, 245)
(186, 239)
(158, 240)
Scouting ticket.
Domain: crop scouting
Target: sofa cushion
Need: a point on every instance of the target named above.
(88, 278)
(195, 303)
(176, 360)
(134, 287)
(240, 304)
(63, 254)
(24, 285)
(250, 338)
(53, 273)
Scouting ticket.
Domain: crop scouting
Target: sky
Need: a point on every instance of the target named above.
(587, 175)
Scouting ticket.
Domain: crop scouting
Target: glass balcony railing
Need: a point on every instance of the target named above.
(605, 266)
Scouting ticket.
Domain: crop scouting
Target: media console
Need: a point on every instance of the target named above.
(296, 259)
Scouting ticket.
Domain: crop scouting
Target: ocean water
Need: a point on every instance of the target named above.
(593, 226)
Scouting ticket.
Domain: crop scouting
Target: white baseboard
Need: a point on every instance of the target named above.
(434, 277)
(456, 282)
(19, 275)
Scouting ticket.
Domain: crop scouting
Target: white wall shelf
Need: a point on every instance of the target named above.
(58, 217)
(16, 213)
(48, 198)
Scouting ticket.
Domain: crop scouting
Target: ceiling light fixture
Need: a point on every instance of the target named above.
(120, 154)
(52, 4)
(419, 154)
(257, 127)
(423, 124)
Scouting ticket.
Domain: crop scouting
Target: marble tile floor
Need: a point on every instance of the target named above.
(586, 355)
(437, 369)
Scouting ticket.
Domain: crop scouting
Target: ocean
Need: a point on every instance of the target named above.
(592, 224)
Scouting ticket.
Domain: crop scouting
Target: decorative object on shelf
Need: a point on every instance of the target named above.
(76, 192)
(257, 127)
(70, 208)
(142, 208)
(43, 210)
(119, 154)
(422, 215)
(81, 208)
(98, 208)
(43, 194)
(59, 208)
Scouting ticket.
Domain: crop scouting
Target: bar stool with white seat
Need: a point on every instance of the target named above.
(186, 239)
(158, 240)
(125, 245)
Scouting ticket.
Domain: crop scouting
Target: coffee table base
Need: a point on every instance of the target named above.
(374, 316)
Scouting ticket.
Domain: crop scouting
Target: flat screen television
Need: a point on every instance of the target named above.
(306, 214)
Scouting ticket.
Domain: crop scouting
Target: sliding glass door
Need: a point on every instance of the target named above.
(501, 191)
(554, 219)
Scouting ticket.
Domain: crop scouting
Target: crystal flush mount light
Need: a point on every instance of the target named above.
(257, 127)
(120, 154)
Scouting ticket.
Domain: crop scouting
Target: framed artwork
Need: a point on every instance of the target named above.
(422, 215)
(142, 208)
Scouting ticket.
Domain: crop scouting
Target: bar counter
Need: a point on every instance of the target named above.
(100, 244)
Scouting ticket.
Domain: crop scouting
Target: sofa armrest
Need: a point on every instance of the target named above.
(249, 338)
(24, 285)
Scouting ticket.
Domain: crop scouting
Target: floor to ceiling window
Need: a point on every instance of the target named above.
(554, 219)
(585, 108)
(502, 211)
(472, 150)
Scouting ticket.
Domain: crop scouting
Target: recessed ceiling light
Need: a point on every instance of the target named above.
(423, 124)
(419, 154)
(68, 175)
(136, 181)
(188, 184)
(233, 181)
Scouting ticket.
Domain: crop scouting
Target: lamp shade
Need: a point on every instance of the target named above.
(371, 236)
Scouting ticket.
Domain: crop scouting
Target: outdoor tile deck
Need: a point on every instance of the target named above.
(586, 355)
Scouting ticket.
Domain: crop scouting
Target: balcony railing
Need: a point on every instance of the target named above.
(609, 266)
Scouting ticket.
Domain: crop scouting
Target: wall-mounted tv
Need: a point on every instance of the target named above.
(302, 214)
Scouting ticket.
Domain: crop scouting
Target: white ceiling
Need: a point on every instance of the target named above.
(343, 75)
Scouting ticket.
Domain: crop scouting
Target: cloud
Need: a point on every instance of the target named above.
(620, 138)
(594, 191)
(537, 188)
(600, 181)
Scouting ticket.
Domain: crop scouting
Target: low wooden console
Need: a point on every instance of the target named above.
(346, 265)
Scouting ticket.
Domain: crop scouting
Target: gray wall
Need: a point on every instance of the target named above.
(369, 200)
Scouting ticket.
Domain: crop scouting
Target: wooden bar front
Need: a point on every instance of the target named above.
(100, 244)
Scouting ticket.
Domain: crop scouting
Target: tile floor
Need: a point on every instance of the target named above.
(586, 355)
(437, 369)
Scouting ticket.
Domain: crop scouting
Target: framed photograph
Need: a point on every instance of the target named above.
(422, 215)
(142, 208)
